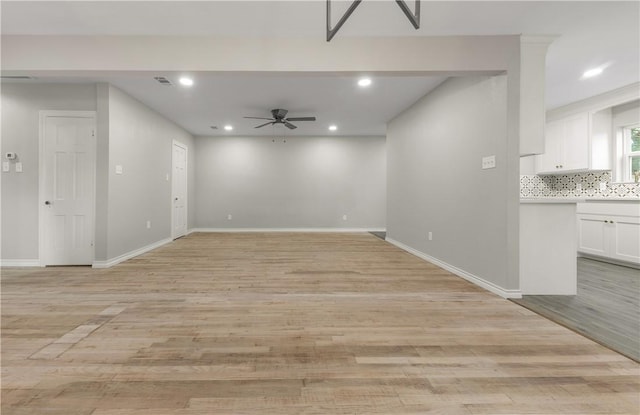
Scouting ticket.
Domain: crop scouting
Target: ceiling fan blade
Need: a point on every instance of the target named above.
(259, 118)
(267, 123)
(289, 125)
(301, 119)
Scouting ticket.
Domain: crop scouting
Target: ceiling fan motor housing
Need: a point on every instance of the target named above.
(278, 113)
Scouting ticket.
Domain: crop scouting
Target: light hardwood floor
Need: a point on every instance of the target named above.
(290, 324)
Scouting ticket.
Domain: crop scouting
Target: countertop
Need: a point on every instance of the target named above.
(576, 200)
(565, 200)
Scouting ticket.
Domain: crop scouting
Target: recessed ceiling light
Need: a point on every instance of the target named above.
(228, 127)
(364, 82)
(592, 72)
(184, 81)
(333, 127)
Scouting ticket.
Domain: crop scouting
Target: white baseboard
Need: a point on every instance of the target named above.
(20, 263)
(111, 262)
(327, 230)
(609, 260)
(459, 272)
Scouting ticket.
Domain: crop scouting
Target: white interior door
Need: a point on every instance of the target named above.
(67, 187)
(179, 191)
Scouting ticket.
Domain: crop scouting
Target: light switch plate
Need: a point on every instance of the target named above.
(118, 169)
(488, 162)
(19, 167)
(6, 166)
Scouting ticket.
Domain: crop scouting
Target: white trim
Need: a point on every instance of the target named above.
(597, 103)
(327, 230)
(20, 262)
(43, 114)
(459, 272)
(175, 142)
(609, 260)
(539, 39)
(111, 262)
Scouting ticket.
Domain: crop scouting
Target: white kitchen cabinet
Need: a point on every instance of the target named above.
(576, 143)
(591, 235)
(610, 231)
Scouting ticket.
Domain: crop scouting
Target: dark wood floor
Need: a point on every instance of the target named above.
(606, 309)
(290, 324)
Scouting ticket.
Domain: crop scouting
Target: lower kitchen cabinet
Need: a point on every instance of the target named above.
(610, 230)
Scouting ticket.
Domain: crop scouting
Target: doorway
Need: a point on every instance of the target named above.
(179, 190)
(67, 187)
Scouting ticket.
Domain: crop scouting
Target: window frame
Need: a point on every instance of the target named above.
(627, 154)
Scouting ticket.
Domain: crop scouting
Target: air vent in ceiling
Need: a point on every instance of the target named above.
(17, 77)
(163, 80)
(214, 127)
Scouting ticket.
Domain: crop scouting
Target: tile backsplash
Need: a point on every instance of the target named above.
(582, 185)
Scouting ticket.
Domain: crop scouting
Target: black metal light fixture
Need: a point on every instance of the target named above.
(414, 17)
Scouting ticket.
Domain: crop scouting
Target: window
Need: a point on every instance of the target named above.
(631, 154)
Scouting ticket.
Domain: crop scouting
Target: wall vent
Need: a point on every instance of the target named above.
(162, 80)
(214, 127)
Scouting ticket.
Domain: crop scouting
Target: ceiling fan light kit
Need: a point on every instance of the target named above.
(414, 17)
(279, 116)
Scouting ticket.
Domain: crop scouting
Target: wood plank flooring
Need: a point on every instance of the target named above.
(606, 309)
(290, 324)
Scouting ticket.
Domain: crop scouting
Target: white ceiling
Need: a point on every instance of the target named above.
(221, 99)
(590, 34)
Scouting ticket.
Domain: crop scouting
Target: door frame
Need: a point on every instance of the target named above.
(174, 143)
(43, 115)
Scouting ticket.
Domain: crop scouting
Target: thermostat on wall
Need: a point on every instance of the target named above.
(11, 156)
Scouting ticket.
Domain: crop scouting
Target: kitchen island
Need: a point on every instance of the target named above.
(548, 247)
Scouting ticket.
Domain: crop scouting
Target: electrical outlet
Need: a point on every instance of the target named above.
(488, 162)
(344, 217)
(603, 186)
(118, 169)
(229, 217)
(166, 177)
(430, 236)
(148, 224)
(19, 167)
(578, 187)
(6, 166)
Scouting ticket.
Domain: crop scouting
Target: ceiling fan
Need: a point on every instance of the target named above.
(279, 116)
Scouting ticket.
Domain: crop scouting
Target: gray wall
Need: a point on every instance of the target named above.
(129, 134)
(20, 133)
(435, 183)
(140, 140)
(307, 182)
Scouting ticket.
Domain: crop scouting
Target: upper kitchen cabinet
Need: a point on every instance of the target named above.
(577, 143)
